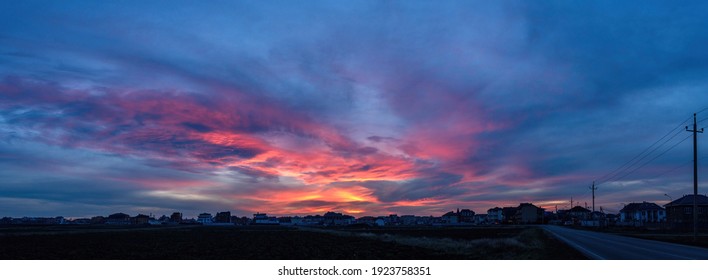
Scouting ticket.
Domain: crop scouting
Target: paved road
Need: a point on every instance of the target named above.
(604, 246)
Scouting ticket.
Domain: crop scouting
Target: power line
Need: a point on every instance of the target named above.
(625, 170)
(666, 151)
(703, 119)
(673, 169)
(669, 171)
(701, 110)
(615, 172)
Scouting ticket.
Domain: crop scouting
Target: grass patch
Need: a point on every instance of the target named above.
(513, 243)
(274, 243)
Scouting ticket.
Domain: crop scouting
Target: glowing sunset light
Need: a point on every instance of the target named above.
(353, 194)
(425, 202)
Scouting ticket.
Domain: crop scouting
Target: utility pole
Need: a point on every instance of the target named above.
(695, 177)
(571, 202)
(593, 188)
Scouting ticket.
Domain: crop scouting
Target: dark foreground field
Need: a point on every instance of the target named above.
(239, 243)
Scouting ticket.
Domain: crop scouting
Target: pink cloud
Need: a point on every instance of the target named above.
(231, 131)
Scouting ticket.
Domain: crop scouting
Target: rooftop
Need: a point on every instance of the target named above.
(687, 200)
(634, 206)
(579, 209)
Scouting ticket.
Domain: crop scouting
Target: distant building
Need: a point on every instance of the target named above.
(205, 218)
(578, 213)
(191, 221)
(480, 219)
(597, 215)
(640, 214)
(337, 219)
(424, 220)
(450, 218)
(408, 220)
(393, 220)
(223, 217)
(118, 219)
(411, 220)
(81, 221)
(140, 219)
(527, 213)
(163, 219)
(297, 220)
(35, 221)
(285, 221)
(465, 216)
(313, 220)
(458, 216)
(242, 221)
(176, 217)
(611, 219)
(597, 219)
(263, 219)
(509, 214)
(368, 220)
(562, 215)
(154, 222)
(679, 213)
(98, 220)
(290, 221)
(495, 215)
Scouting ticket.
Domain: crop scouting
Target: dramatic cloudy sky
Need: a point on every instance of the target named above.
(361, 107)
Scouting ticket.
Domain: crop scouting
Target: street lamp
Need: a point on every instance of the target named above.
(670, 199)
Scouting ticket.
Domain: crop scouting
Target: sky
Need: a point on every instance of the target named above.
(358, 107)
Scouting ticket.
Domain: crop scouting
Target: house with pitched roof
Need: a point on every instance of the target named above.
(641, 214)
(205, 218)
(495, 215)
(118, 219)
(679, 213)
(451, 218)
(579, 213)
(527, 213)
